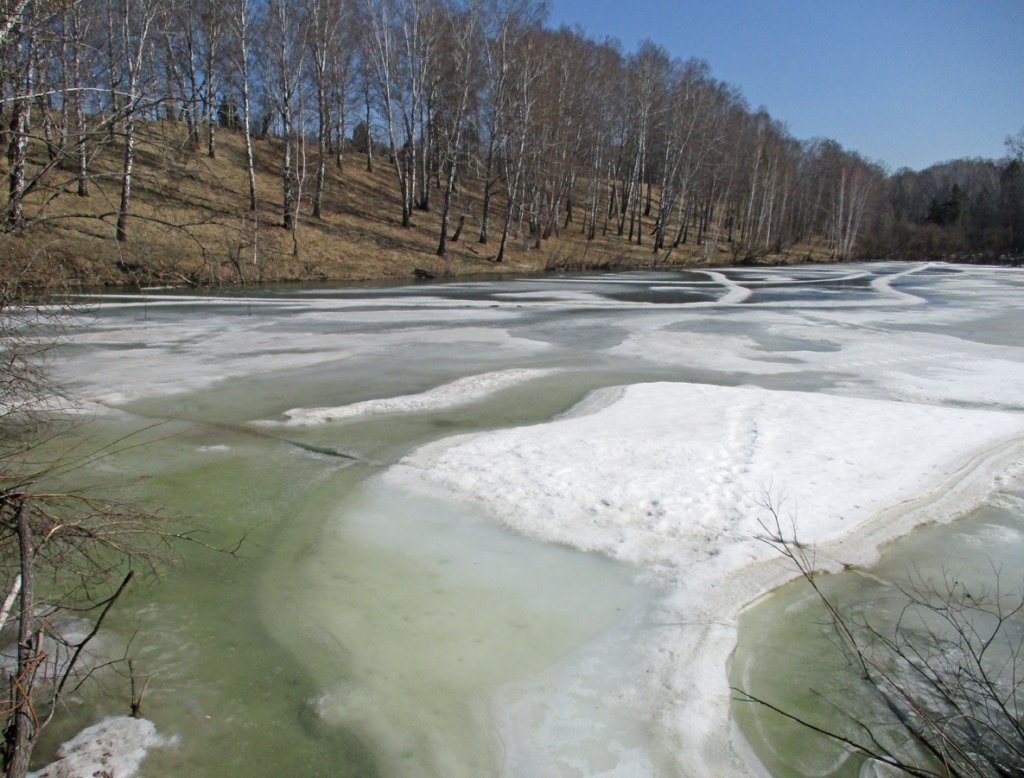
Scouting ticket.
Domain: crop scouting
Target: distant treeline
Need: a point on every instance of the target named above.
(557, 131)
(965, 209)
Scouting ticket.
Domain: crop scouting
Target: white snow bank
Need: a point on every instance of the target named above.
(669, 477)
(883, 284)
(671, 473)
(114, 748)
(462, 391)
(735, 293)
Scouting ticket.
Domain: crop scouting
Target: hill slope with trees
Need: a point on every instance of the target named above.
(199, 142)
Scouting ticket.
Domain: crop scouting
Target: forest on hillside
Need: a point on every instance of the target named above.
(556, 131)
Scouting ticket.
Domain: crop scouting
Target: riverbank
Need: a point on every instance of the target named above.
(191, 226)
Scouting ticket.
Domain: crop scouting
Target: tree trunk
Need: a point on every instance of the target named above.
(488, 185)
(126, 178)
(22, 739)
(442, 246)
(342, 131)
(286, 172)
(192, 111)
(426, 152)
(211, 116)
(324, 127)
(79, 114)
(17, 153)
(249, 160)
(115, 99)
(513, 193)
(369, 135)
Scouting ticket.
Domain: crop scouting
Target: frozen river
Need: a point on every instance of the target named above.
(418, 471)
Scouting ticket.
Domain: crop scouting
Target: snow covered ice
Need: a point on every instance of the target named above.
(863, 399)
(115, 747)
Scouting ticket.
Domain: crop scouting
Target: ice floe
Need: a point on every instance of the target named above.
(114, 748)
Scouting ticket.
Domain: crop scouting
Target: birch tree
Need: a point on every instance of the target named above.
(76, 28)
(212, 26)
(20, 25)
(526, 68)
(136, 19)
(849, 183)
(12, 18)
(282, 78)
(401, 46)
(323, 21)
(502, 22)
(462, 47)
(239, 20)
(182, 44)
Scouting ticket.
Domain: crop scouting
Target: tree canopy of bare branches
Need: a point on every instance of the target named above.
(566, 132)
(64, 552)
(947, 673)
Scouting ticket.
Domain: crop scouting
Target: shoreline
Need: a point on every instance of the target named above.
(495, 274)
(490, 272)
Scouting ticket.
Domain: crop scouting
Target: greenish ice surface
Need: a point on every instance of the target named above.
(357, 631)
(788, 655)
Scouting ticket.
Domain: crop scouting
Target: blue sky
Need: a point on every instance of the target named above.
(904, 82)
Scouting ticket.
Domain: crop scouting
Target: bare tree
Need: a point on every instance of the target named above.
(462, 47)
(213, 24)
(366, 87)
(283, 78)
(850, 182)
(948, 674)
(526, 69)
(401, 46)
(74, 25)
(23, 29)
(1015, 145)
(552, 124)
(322, 20)
(503, 21)
(240, 22)
(67, 552)
(136, 18)
(62, 552)
(11, 16)
(182, 42)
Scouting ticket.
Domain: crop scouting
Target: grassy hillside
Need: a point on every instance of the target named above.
(190, 225)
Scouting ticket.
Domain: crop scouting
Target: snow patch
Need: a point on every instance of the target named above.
(113, 748)
(459, 392)
(672, 477)
(671, 473)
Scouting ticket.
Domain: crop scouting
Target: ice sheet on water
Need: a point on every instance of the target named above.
(670, 477)
(666, 476)
(197, 354)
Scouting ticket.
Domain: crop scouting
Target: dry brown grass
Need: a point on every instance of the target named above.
(190, 225)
